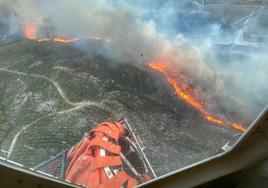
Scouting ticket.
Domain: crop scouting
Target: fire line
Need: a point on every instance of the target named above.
(31, 32)
(175, 79)
(178, 81)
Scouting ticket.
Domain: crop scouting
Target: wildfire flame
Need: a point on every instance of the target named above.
(31, 31)
(176, 79)
(59, 40)
(182, 88)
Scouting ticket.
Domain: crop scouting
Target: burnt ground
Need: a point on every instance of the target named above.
(50, 94)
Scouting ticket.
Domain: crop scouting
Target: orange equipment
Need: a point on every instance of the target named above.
(106, 157)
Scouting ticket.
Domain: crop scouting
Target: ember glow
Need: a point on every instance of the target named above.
(179, 83)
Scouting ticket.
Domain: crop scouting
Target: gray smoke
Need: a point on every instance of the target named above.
(160, 30)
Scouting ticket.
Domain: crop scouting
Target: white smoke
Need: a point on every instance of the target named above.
(149, 28)
(119, 22)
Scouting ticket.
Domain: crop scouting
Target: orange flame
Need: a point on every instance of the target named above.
(30, 31)
(58, 40)
(64, 40)
(182, 89)
(68, 40)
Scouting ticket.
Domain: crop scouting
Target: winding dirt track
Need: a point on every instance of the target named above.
(76, 105)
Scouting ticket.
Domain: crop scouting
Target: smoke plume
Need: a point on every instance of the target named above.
(179, 31)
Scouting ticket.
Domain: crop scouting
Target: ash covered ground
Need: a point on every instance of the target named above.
(52, 93)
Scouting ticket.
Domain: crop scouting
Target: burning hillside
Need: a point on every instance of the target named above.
(180, 84)
(185, 87)
(31, 32)
(55, 98)
(174, 77)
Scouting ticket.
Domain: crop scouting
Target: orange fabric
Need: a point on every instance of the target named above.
(131, 182)
(86, 166)
(116, 181)
(101, 162)
(109, 132)
(77, 152)
(116, 149)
